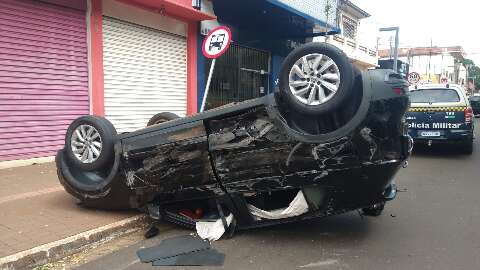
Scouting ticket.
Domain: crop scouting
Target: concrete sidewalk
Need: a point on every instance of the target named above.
(35, 210)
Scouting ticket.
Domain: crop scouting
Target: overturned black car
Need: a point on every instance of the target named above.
(331, 132)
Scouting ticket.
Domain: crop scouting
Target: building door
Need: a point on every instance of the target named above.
(145, 72)
(43, 76)
(240, 74)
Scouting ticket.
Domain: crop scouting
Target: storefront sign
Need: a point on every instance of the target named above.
(314, 9)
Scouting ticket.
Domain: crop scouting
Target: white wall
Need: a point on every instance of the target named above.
(439, 64)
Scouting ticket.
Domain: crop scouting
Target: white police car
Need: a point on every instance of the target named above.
(440, 113)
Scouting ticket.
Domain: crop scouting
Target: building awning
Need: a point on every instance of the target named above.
(278, 19)
(181, 9)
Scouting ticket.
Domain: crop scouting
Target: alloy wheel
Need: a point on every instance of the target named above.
(86, 143)
(314, 79)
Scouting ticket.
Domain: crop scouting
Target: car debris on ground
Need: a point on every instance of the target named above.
(184, 250)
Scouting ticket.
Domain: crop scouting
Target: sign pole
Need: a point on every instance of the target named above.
(212, 66)
(214, 45)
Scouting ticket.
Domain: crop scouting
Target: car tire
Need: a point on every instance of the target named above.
(316, 78)
(467, 147)
(89, 142)
(115, 198)
(103, 189)
(374, 210)
(162, 118)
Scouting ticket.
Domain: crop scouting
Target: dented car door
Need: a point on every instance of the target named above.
(170, 158)
(249, 152)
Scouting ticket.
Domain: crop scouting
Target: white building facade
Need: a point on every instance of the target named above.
(349, 17)
(434, 64)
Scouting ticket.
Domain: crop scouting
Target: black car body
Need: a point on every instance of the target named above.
(475, 103)
(258, 151)
(440, 114)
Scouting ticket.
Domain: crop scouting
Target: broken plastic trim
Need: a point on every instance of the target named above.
(297, 207)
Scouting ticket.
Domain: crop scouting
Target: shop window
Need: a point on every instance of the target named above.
(349, 27)
(240, 74)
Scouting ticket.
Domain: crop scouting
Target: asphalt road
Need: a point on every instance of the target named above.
(433, 224)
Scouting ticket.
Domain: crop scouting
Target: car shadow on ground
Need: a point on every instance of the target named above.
(439, 151)
(346, 227)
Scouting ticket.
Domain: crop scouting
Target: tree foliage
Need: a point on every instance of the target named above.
(473, 72)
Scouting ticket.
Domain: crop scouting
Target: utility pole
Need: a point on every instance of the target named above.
(430, 58)
(468, 73)
(391, 47)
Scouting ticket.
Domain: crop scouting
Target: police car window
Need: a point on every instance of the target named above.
(433, 96)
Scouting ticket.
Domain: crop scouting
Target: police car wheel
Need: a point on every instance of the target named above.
(467, 147)
(316, 78)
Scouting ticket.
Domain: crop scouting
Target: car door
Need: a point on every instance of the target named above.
(242, 151)
(170, 156)
(250, 152)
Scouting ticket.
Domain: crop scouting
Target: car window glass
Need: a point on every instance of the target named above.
(434, 96)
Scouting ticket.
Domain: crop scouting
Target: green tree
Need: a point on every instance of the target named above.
(467, 62)
(473, 72)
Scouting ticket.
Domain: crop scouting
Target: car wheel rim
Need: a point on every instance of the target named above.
(314, 79)
(86, 144)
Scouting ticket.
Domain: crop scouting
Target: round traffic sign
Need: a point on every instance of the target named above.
(413, 77)
(216, 42)
(444, 80)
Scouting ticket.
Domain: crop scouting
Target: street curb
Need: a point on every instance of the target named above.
(56, 250)
(25, 162)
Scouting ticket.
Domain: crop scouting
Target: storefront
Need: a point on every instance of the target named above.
(123, 59)
(264, 32)
(144, 65)
(130, 59)
(43, 74)
(147, 60)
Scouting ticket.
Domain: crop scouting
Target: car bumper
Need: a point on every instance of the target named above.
(452, 136)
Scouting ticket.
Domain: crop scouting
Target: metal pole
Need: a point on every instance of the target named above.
(212, 66)
(395, 60)
(430, 58)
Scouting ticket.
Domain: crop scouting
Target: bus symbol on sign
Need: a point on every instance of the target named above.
(413, 77)
(216, 42)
